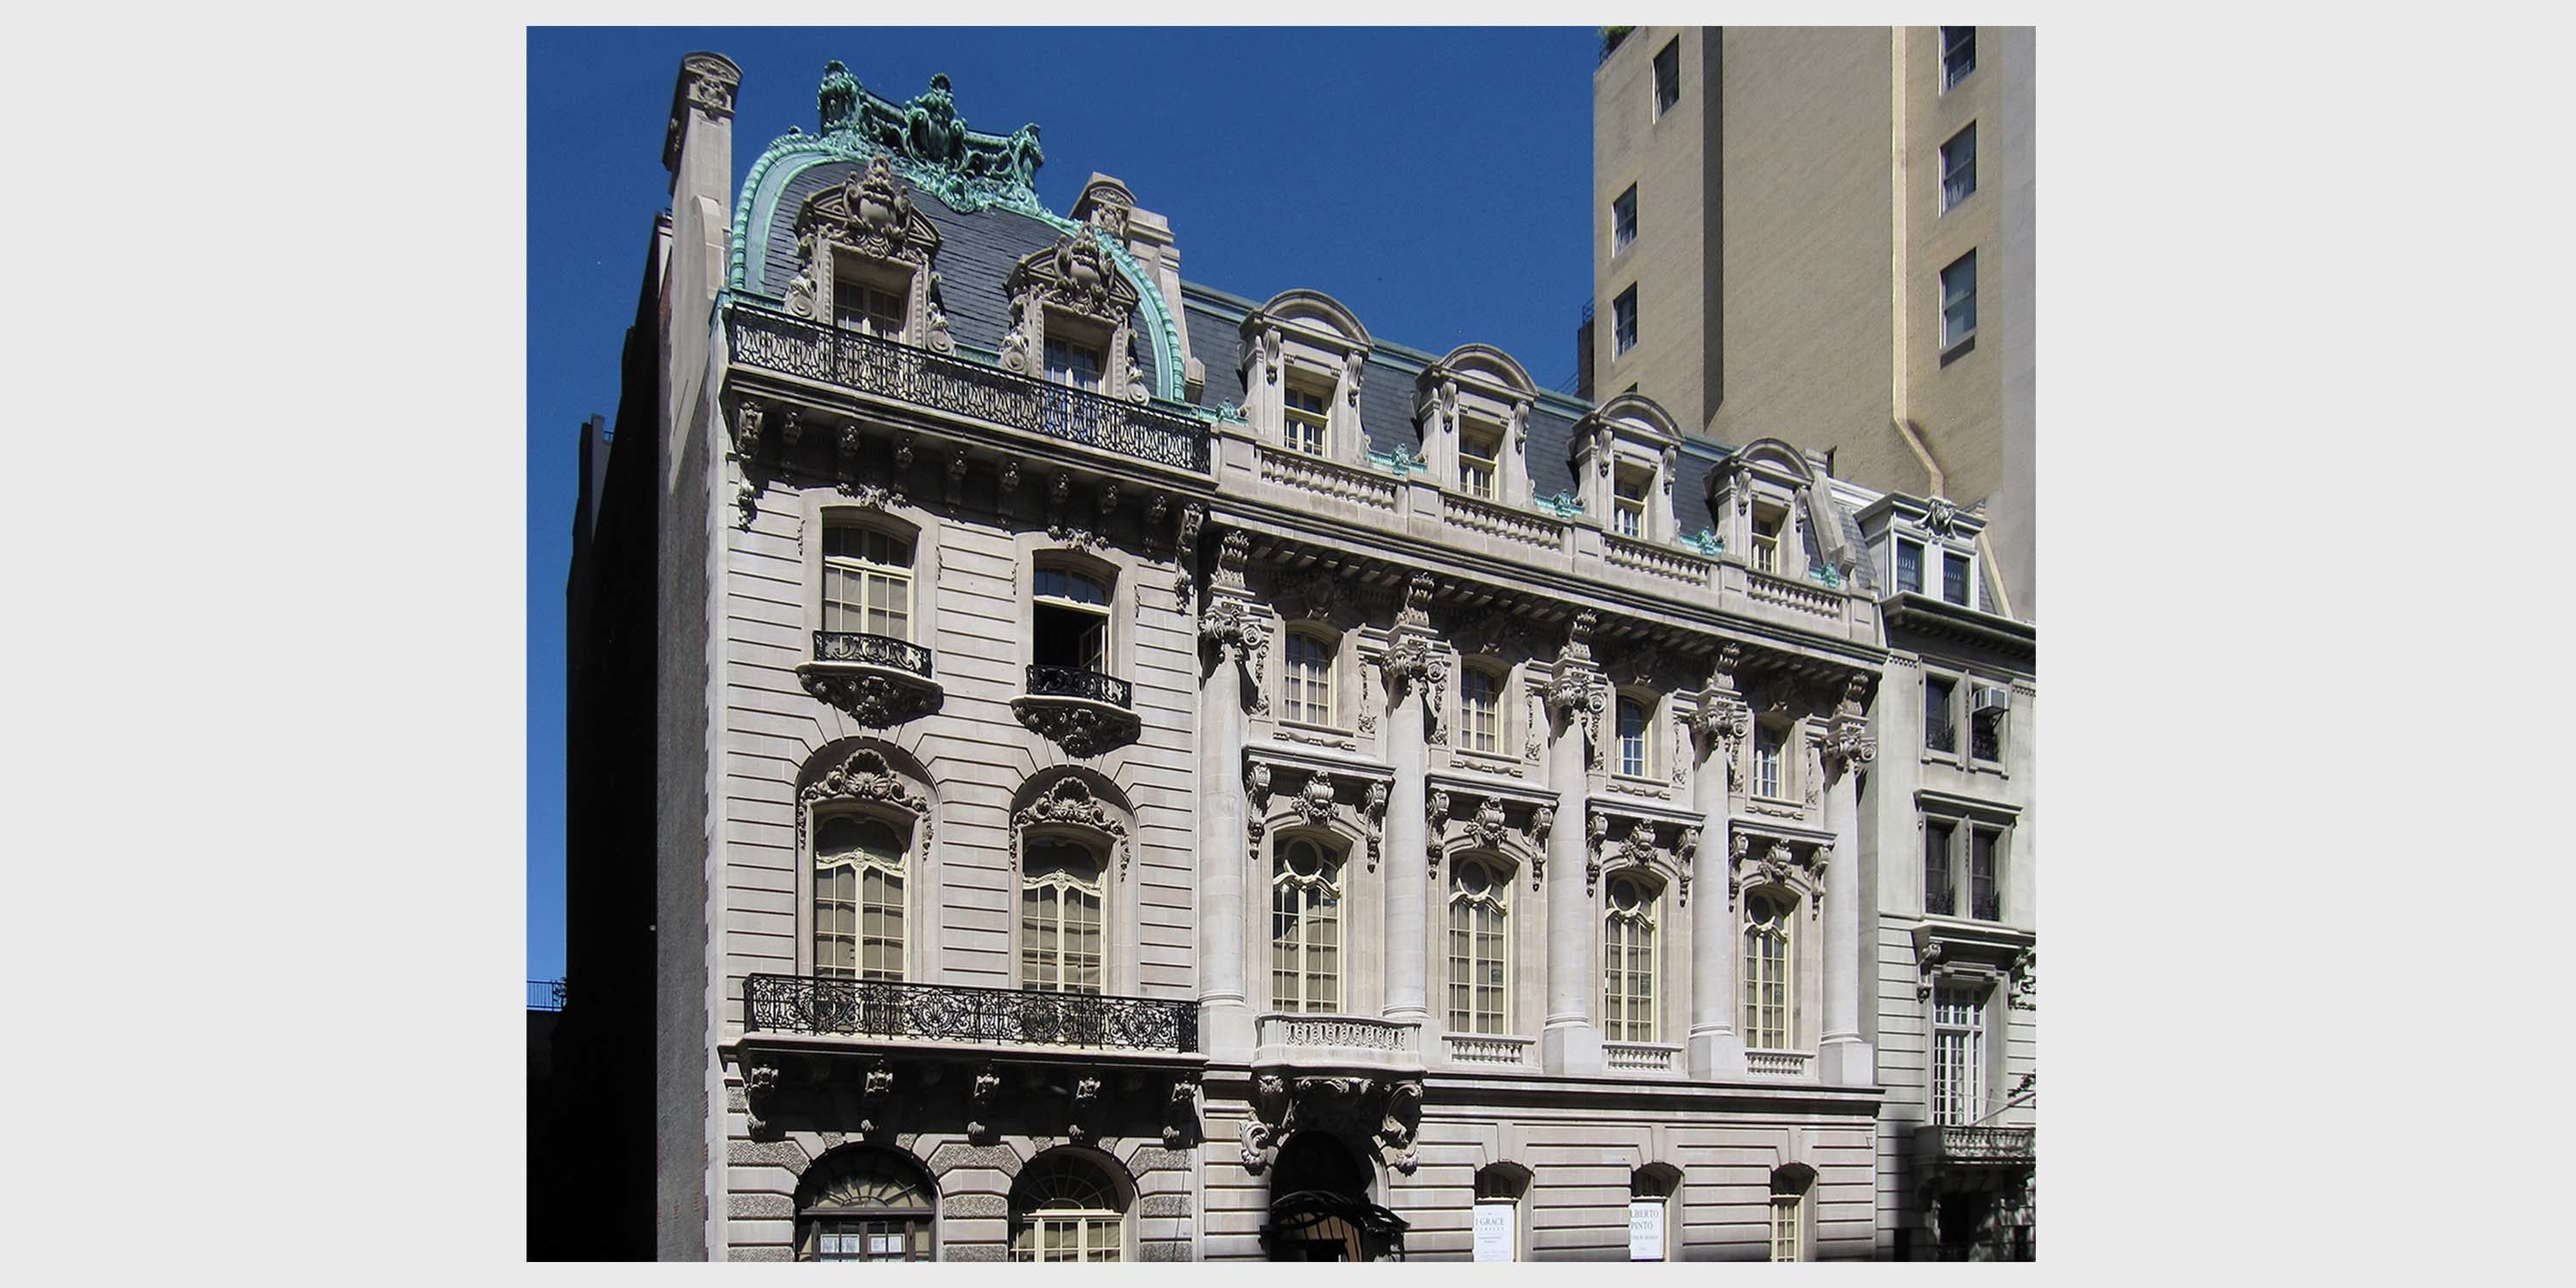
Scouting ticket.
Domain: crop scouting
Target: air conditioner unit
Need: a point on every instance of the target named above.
(1991, 699)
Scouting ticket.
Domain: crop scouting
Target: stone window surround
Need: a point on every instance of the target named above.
(1310, 338)
(824, 506)
(1627, 431)
(1658, 752)
(1120, 966)
(1966, 816)
(1480, 386)
(1344, 853)
(1111, 566)
(1664, 915)
(1515, 923)
(907, 268)
(1803, 889)
(921, 870)
(1344, 670)
(1508, 702)
(1767, 476)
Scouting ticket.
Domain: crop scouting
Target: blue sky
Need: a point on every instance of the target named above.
(1436, 180)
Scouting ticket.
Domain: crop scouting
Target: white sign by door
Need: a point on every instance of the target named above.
(1645, 1229)
(1494, 1235)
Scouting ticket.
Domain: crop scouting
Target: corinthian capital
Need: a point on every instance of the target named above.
(1722, 720)
(1847, 744)
(1234, 628)
(1415, 659)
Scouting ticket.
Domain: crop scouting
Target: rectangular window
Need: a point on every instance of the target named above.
(1073, 364)
(1785, 1214)
(1307, 420)
(1909, 565)
(1958, 1057)
(1958, 54)
(1623, 220)
(1959, 300)
(1628, 502)
(1766, 541)
(867, 582)
(1480, 453)
(861, 307)
(1480, 710)
(1766, 763)
(1985, 902)
(1940, 898)
(1954, 577)
(1986, 735)
(1668, 76)
(1623, 321)
(1939, 731)
(1959, 167)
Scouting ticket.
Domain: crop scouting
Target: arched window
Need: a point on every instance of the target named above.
(867, 581)
(859, 1203)
(1480, 709)
(1789, 1189)
(1069, 621)
(1305, 929)
(1650, 1211)
(1065, 1207)
(1636, 737)
(858, 898)
(1480, 954)
(1060, 936)
(1628, 962)
(1770, 992)
(1308, 679)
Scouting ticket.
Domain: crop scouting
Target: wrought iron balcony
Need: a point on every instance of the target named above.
(957, 1013)
(1074, 682)
(772, 341)
(873, 650)
(1986, 1146)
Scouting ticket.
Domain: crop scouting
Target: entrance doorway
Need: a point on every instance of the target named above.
(1320, 1209)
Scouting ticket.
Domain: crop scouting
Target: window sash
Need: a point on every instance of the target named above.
(1307, 681)
(1623, 219)
(1628, 977)
(1069, 1237)
(842, 1239)
(1959, 300)
(1767, 987)
(1479, 464)
(1766, 764)
(1958, 54)
(1909, 566)
(1060, 936)
(1940, 731)
(1668, 76)
(1623, 320)
(1786, 1218)
(1073, 364)
(1984, 901)
(1480, 711)
(1635, 729)
(1479, 965)
(1305, 943)
(1958, 1057)
(1959, 167)
(1940, 895)
(1954, 577)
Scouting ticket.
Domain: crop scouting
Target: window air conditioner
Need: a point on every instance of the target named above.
(1991, 699)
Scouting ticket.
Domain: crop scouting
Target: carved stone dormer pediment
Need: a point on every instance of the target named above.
(1078, 277)
(870, 212)
(1074, 291)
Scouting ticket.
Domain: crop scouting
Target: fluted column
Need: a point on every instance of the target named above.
(1716, 1049)
(1571, 1043)
(1414, 668)
(1847, 1059)
(1231, 630)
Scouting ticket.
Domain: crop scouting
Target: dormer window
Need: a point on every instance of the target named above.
(1071, 363)
(1954, 577)
(1628, 507)
(1480, 454)
(1308, 420)
(1909, 566)
(1767, 523)
(858, 306)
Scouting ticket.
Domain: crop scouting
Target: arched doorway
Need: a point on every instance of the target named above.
(1319, 1207)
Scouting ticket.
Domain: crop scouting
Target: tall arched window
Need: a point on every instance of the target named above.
(867, 581)
(1480, 955)
(1770, 992)
(1060, 935)
(1790, 1187)
(1064, 1207)
(1480, 709)
(1069, 621)
(1308, 679)
(858, 898)
(1628, 962)
(860, 1203)
(1636, 740)
(1305, 929)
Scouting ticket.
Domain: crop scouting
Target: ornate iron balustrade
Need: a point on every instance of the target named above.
(957, 1013)
(1074, 682)
(874, 650)
(792, 346)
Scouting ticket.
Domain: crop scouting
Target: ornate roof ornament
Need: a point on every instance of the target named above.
(1940, 517)
(871, 212)
(930, 143)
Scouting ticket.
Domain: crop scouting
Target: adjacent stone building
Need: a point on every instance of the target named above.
(1107, 769)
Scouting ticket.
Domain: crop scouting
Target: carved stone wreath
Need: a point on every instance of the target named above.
(1071, 804)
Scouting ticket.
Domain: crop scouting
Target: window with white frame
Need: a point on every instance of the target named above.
(1668, 76)
(1958, 1055)
(1909, 565)
(1940, 718)
(1788, 1216)
(1940, 892)
(1636, 733)
(1959, 300)
(1068, 620)
(858, 898)
(1957, 577)
(1305, 928)
(1623, 322)
(1985, 896)
(1958, 54)
(1060, 924)
(1308, 423)
(1959, 166)
(1628, 961)
(867, 581)
(1063, 1209)
(1306, 682)
(1480, 710)
(1480, 955)
(1629, 485)
(1070, 362)
(861, 306)
(1480, 455)
(1768, 523)
(1767, 779)
(1770, 995)
(1623, 220)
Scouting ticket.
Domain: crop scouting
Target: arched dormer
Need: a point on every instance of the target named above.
(1775, 510)
(1471, 410)
(1303, 355)
(1625, 453)
(867, 257)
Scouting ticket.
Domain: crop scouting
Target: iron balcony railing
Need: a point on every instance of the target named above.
(957, 1013)
(1985, 741)
(773, 341)
(1074, 682)
(875, 650)
(545, 995)
(1940, 735)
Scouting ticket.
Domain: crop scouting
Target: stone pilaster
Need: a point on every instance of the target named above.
(1235, 636)
(1716, 1049)
(1847, 1059)
(1571, 1043)
(1415, 669)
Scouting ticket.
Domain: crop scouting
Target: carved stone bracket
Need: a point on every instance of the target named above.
(1847, 745)
(1181, 1114)
(1237, 631)
(1082, 727)
(1373, 808)
(2025, 980)
(875, 697)
(759, 1088)
(1775, 861)
(1086, 1095)
(986, 1084)
(877, 1083)
(1386, 1112)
